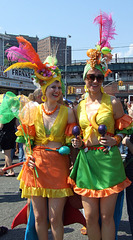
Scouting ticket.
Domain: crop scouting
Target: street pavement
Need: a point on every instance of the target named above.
(11, 203)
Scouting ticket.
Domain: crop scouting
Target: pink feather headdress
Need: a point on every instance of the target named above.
(107, 29)
(101, 56)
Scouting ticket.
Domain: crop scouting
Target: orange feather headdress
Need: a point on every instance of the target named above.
(26, 57)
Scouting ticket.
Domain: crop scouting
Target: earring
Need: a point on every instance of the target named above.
(44, 98)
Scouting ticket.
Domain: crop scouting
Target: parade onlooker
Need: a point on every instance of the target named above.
(125, 106)
(35, 99)
(128, 141)
(130, 109)
(7, 143)
(3, 230)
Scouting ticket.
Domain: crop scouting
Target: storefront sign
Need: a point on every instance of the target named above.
(19, 74)
(130, 87)
(122, 88)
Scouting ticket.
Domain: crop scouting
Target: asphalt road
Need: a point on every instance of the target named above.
(11, 203)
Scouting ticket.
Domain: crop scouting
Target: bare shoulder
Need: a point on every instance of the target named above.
(117, 107)
(115, 100)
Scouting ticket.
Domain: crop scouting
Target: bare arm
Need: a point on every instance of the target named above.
(75, 114)
(71, 116)
(118, 112)
(126, 141)
(1, 126)
(117, 108)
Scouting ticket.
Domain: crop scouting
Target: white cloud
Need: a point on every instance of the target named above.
(129, 53)
(123, 54)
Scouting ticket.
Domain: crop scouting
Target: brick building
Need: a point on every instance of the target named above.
(55, 46)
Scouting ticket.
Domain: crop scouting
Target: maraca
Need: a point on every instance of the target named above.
(64, 150)
(102, 129)
(76, 131)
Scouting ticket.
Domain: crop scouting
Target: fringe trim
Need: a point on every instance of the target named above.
(99, 193)
(28, 192)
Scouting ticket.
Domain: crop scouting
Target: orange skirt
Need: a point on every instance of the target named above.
(52, 169)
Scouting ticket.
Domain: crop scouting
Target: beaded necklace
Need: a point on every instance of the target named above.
(47, 112)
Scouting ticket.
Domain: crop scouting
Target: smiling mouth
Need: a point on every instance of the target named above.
(56, 95)
(94, 85)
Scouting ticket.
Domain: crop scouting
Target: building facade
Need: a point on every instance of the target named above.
(3, 39)
(12, 41)
(18, 81)
(55, 46)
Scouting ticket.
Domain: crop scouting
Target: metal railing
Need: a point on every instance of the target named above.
(114, 60)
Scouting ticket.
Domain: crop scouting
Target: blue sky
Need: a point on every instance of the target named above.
(72, 17)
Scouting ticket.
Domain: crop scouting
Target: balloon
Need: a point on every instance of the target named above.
(102, 129)
(76, 131)
(105, 50)
(64, 150)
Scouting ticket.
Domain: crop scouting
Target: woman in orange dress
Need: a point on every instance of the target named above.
(44, 175)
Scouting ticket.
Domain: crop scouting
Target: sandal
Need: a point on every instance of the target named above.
(83, 230)
(10, 175)
(3, 230)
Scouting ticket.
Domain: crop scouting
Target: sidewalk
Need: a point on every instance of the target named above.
(11, 203)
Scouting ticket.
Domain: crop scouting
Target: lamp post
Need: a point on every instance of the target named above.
(66, 67)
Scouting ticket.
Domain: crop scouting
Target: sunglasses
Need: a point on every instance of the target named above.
(98, 77)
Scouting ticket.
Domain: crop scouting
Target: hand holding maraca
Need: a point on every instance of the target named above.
(105, 139)
(102, 129)
(77, 141)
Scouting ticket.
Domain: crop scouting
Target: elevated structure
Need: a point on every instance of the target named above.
(118, 83)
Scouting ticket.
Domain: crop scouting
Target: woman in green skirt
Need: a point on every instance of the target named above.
(98, 174)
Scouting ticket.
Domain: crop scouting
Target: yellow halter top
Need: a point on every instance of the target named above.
(57, 132)
(104, 116)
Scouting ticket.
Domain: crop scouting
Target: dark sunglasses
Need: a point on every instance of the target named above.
(98, 77)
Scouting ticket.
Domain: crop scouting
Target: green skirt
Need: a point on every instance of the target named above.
(96, 174)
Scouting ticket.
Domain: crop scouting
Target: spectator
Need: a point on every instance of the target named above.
(35, 99)
(125, 106)
(7, 143)
(130, 109)
(3, 230)
(128, 141)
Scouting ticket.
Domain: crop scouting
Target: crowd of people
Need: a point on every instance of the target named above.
(52, 172)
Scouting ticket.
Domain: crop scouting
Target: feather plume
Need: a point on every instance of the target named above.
(15, 54)
(107, 29)
(22, 65)
(25, 52)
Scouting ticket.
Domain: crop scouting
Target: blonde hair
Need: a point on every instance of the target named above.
(33, 96)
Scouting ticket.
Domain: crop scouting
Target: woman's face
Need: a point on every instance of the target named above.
(54, 91)
(94, 79)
